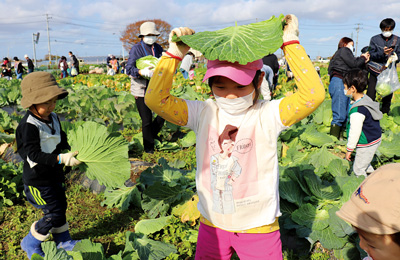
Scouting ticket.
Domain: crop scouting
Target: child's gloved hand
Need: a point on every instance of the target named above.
(69, 159)
(178, 49)
(291, 29)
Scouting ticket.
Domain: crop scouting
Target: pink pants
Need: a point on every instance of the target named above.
(215, 243)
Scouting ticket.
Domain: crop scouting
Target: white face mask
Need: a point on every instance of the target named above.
(236, 105)
(351, 47)
(387, 34)
(348, 95)
(149, 40)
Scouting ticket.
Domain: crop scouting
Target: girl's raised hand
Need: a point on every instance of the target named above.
(178, 49)
(291, 29)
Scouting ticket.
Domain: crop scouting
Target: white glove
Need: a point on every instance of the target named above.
(178, 49)
(291, 29)
(146, 72)
(391, 59)
(69, 159)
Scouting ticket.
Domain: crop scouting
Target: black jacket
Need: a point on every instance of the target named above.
(38, 143)
(342, 61)
(376, 47)
(30, 64)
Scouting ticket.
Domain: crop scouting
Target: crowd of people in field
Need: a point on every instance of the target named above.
(237, 175)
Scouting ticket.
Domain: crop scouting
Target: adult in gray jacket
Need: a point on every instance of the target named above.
(342, 61)
(382, 46)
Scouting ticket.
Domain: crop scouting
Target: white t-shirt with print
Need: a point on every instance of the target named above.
(252, 199)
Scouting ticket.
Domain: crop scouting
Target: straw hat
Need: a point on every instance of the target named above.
(148, 28)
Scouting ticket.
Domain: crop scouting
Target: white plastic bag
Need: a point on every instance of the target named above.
(388, 81)
(74, 71)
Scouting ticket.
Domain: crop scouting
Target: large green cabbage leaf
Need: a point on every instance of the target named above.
(104, 155)
(242, 44)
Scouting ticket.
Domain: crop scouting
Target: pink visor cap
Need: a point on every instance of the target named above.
(241, 74)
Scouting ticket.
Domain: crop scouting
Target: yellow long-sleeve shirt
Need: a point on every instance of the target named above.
(294, 108)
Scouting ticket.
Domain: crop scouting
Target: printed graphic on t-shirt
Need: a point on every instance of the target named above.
(231, 166)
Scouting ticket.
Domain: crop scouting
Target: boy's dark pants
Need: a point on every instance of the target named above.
(53, 202)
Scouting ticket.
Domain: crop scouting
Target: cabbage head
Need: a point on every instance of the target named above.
(147, 61)
(383, 89)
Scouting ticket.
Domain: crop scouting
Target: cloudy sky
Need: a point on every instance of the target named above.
(93, 28)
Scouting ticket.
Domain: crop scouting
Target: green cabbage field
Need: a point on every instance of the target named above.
(149, 211)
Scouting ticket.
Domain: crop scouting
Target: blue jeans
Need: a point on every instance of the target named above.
(64, 73)
(184, 73)
(19, 75)
(340, 103)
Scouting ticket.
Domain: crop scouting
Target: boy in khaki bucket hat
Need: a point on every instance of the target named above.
(40, 142)
(374, 211)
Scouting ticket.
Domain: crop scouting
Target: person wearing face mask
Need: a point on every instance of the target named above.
(342, 61)
(147, 46)
(237, 182)
(382, 48)
(363, 129)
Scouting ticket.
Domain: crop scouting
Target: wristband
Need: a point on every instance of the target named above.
(59, 160)
(289, 42)
(173, 56)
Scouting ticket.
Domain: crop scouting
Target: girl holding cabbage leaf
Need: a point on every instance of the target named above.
(252, 229)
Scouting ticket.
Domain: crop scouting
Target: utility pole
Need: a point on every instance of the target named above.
(34, 49)
(35, 40)
(48, 37)
(357, 30)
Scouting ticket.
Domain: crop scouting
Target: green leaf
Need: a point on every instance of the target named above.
(122, 198)
(297, 175)
(53, 253)
(328, 239)
(338, 225)
(323, 114)
(390, 149)
(338, 167)
(153, 250)
(188, 140)
(321, 191)
(154, 207)
(37, 257)
(348, 185)
(348, 252)
(150, 226)
(164, 192)
(307, 215)
(5, 138)
(290, 190)
(161, 173)
(75, 255)
(105, 155)
(315, 138)
(322, 157)
(90, 250)
(242, 44)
